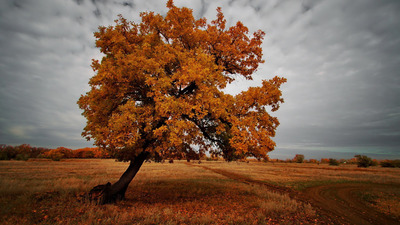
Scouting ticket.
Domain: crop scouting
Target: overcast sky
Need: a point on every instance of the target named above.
(341, 59)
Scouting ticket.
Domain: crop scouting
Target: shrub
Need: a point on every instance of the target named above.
(299, 158)
(333, 162)
(364, 161)
(391, 163)
(59, 153)
(313, 161)
(87, 153)
(3, 155)
(64, 152)
(324, 160)
(56, 156)
(8, 152)
(21, 156)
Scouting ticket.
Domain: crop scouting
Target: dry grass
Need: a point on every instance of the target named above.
(47, 192)
(386, 201)
(300, 176)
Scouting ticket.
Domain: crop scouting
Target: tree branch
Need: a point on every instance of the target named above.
(187, 90)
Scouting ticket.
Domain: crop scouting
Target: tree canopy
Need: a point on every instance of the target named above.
(160, 88)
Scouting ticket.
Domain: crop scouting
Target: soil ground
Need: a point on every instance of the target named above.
(342, 202)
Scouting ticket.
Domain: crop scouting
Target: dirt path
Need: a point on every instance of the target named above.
(337, 203)
(342, 201)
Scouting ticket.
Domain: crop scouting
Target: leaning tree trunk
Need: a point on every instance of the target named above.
(109, 193)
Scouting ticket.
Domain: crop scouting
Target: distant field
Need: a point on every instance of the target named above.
(50, 192)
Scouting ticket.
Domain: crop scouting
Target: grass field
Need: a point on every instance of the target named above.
(49, 192)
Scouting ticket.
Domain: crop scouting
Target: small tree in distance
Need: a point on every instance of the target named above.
(159, 91)
(333, 162)
(299, 158)
(363, 161)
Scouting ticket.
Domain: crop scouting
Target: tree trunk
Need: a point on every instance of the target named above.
(108, 193)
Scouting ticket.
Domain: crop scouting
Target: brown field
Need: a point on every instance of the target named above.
(50, 192)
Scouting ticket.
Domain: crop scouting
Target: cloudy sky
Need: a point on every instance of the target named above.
(341, 59)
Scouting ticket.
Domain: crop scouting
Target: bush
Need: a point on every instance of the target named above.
(333, 162)
(56, 156)
(313, 161)
(299, 158)
(3, 155)
(364, 161)
(20, 156)
(20, 152)
(391, 163)
(8, 152)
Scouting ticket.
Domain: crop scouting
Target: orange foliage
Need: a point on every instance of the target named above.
(159, 88)
(312, 161)
(352, 161)
(324, 160)
(59, 153)
(64, 153)
(84, 153)
(90, 153)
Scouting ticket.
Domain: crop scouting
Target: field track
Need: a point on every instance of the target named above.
(343, 201)
(337, 203)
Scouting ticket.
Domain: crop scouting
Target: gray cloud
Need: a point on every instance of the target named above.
(343, 77)
(341, 59)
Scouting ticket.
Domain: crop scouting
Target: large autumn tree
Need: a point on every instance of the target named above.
(159, 90)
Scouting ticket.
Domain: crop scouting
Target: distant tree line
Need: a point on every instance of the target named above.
(359, 160)
(25, 152)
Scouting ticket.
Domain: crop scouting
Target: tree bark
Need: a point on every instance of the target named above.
(110, 193)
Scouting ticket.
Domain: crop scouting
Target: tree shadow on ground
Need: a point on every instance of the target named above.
(179, 191)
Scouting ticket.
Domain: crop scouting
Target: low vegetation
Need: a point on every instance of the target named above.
(299, 158)
(25, 152)
(364, 161)
(333, 162)
(390, 163)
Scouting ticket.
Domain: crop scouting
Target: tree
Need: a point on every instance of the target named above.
(159, 90)
(363, 161)
(59, 153)
(333, 162)
(299, 158)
